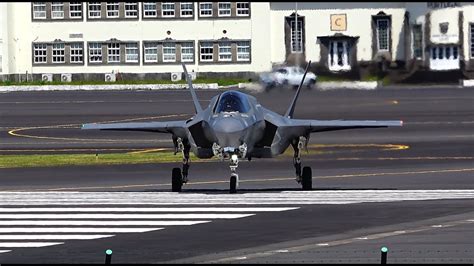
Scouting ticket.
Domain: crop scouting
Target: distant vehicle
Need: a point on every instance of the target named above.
(287, 76)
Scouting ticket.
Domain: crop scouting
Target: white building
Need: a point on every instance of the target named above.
(151, 39)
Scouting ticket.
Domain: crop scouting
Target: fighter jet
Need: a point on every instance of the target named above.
(235, 126)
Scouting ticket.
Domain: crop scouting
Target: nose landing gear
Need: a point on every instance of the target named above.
(234, 177)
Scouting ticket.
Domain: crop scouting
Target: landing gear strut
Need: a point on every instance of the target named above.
(303, 177)
(180, 177)
(234, 177)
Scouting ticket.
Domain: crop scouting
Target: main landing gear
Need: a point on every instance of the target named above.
(305, 177)
(178, 177)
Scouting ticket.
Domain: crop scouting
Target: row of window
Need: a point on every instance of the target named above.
(130, 10)
(153, 52)
(382, 28)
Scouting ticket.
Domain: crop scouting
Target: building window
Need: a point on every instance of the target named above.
(95, 52)
(224, 9)
(417, 42)
(131, 9)
(472, 40)
(39, 10)
(75, 9)
(296, 37)
(205, 9)
(113, 9)
(169, 52)
(149, 9)
(94, 10)
(187, 52)
(76, 53)
(243, 9)
(167, 9)
(207, 51)
(444, 58)
(243, 51)
(225, 51)
(113, 52)
(57, 10)
(40, 53)
(131, 52)
(383, 32)
(339, 56)
(151, 52)
(58, 53)
(187, 9)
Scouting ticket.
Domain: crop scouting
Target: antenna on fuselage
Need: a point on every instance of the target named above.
(197, 105)
(291, 109)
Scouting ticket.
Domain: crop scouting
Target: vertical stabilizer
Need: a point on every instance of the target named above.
(197, 105)
(291, 109)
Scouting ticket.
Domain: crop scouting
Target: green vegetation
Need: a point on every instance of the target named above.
(50, 160)
(332, 78)
(139, 157)
(219, 81)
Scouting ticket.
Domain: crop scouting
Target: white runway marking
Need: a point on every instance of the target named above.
(28, 244)
(280, 198)
(52, 237)
(125, 216)
(25, 215)
(100, 223)
(75, 230)
(182, 209)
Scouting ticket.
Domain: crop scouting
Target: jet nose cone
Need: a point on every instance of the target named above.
(228, 125)
(229, 131)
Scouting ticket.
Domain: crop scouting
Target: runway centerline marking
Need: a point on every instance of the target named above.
(248, 181)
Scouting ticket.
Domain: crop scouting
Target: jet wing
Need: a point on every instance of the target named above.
(331, 125)
(163, 127)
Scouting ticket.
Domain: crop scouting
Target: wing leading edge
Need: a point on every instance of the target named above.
(164, 127)
(331, 125)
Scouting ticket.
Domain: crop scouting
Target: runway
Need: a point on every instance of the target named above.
(408, 188)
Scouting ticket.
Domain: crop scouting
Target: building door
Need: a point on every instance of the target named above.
(338, 59)
(444, 58)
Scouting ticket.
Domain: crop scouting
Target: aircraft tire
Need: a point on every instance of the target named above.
(307, 178)
(176, 180)
(233, 184)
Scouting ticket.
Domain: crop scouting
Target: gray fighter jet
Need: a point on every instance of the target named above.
(235, 126)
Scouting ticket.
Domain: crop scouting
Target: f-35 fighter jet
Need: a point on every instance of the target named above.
(235, 126)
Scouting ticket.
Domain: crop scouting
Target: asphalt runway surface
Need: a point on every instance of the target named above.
(409, 188)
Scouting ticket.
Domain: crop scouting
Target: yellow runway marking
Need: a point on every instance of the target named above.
(149, 150)
(14, 131)
(388, 147)
(254, 180)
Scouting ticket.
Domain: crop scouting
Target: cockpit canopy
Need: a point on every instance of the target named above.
(233, 101)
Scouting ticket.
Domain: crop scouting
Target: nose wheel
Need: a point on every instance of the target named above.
(234, 177)
(234, 183)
